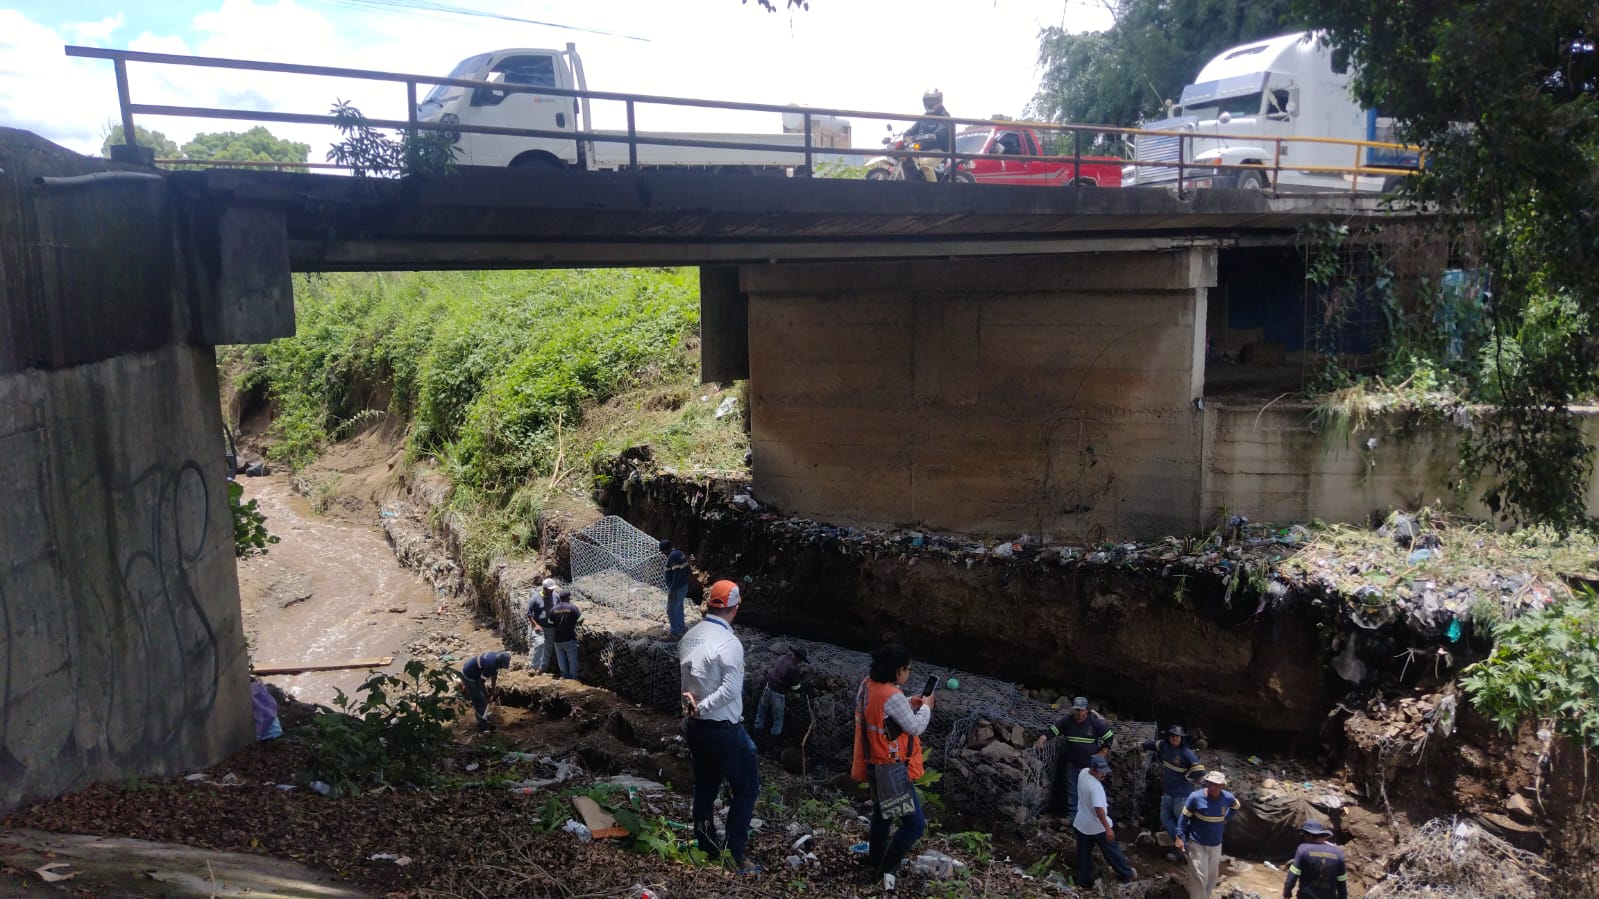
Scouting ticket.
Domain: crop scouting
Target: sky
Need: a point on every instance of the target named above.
(848, 54)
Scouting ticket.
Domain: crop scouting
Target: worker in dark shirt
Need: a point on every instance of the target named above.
(1318, 866)
(677, 575)
(1179, 766)
(480, 673)
(564, 618)
(1083, 735)
(787, 676)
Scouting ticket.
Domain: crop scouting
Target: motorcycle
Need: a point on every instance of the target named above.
(901, 163)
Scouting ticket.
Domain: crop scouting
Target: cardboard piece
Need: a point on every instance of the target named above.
(599, 821)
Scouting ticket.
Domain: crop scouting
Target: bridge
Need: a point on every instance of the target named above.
(963, 357)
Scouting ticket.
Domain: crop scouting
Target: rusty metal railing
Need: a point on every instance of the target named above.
(804, 154)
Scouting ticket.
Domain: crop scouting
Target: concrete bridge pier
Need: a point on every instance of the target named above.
(1041, 395)
(121, 645)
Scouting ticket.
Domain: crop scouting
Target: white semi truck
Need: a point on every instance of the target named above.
(1287, 86)
(563, 69)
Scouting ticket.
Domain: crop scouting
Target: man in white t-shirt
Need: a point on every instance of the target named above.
(1094, 827)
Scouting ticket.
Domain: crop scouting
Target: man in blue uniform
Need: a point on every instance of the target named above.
(480, 673)
(676, 589)
(1178, 764)
(1205, 815)
(1083, 735)
(1318, 866)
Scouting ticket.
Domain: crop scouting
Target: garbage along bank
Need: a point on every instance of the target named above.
(1181, 630)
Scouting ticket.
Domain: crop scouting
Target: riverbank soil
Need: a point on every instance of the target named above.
(332, 589)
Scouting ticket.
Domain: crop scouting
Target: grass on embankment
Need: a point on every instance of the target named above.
(514, 382)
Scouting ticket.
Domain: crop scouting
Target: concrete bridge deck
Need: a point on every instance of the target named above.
(521, 218)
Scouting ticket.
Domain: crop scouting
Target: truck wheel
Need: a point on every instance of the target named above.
(536, 161)
(1391, 183)
(1085, 182)
(877, 175)
(1251, 181)
(964, 178)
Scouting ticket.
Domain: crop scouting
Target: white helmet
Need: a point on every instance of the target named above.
(551, 584)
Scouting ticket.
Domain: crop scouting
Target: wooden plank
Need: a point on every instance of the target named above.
(375, 662)
(599, 821)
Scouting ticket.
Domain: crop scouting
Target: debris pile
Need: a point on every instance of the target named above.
(1448, 858)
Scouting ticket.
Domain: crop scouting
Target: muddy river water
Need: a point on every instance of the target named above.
(329, 592)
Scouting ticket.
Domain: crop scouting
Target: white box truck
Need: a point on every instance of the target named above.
(1287, 86)
(563, 69)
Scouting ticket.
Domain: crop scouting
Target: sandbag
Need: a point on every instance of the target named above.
(1267, 824)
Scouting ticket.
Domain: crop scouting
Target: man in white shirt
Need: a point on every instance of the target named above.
(1094, 827)
(711, 662)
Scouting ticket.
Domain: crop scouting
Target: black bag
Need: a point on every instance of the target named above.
(893, 790)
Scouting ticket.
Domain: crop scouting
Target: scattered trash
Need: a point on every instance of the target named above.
(640, 891)
(953, 683)
(1269, 865)
(1453, 633)
(728, 406)
(321, 788)
(1004, 551)
(287, 788)
(197, 776)
(48, 875)
(400, 860)
(861, 848)
(936, 864)
(472, 766)
(1253, 760)
(578, 829)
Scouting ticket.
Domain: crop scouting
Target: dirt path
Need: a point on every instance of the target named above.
(330, 591)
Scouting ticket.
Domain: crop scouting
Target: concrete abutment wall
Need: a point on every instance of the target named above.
(121, 646)
(1043, 395)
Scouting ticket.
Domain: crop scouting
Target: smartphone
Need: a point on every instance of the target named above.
(930, 686)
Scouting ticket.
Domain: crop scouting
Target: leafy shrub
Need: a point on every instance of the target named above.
(1544, 664)
(250, 535)
(394, 735)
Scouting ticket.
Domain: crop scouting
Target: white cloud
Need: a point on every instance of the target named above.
(93, 33)
(862, 54)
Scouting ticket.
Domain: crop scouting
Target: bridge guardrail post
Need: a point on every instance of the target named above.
(129, 150)
(632, 137)
(810, 167)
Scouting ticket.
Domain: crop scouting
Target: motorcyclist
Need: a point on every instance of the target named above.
(934, 132)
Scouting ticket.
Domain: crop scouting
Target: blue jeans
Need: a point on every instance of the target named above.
(1086, 842)
(885, 854)
(566, 655)
(674, 609)
(770, 709)
(479, 694)
(1171, 812)
(722, 750)
(1066, 792)
(538, 648)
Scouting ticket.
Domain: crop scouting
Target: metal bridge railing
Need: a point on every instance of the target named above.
(804, 154)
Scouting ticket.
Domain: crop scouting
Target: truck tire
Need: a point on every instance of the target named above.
(877, 175)
(1084, 182)
(537, 161)
(1250, 181)
(964, 178)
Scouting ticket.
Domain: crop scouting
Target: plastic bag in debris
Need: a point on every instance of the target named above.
(935, 864)
(579, 830)
(1267, 824)
(727, 407)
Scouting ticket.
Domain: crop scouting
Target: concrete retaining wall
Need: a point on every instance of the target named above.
(1042, 395)
(1271, 466)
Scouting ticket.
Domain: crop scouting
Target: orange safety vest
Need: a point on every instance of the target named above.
(869, 701)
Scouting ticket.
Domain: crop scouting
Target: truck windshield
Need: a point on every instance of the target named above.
(971, 142)
(1248, 104)
(466, 68)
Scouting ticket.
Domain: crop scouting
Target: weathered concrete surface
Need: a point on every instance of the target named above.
(112, 866)
(121, 647)
(1051, 395)
(1270, 465)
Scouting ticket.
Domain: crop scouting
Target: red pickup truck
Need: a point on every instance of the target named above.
(1005, 147)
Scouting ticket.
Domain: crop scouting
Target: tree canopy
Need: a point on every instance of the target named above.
(1505, 97)
(255, 145)
(1123, 75)
(165, 147)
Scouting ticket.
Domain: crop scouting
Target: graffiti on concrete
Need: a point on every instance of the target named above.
(113, 669)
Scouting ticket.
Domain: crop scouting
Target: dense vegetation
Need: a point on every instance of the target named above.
(499, 376)
(255, 145)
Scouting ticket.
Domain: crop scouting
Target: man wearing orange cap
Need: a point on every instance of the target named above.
(711, 663)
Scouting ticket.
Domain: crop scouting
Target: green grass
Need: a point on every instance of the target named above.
(516, 383)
